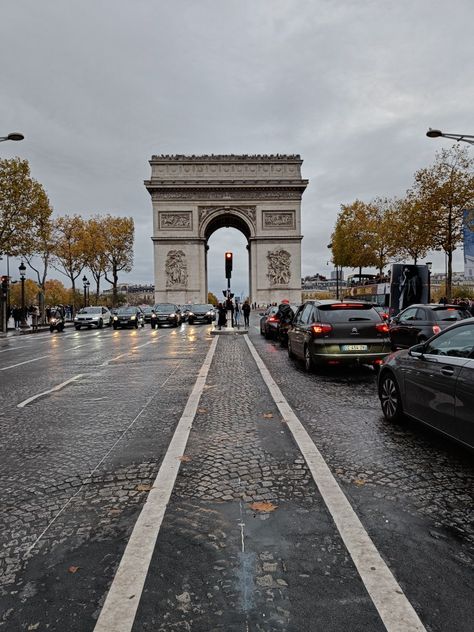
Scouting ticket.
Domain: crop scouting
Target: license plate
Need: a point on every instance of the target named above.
(354, 347)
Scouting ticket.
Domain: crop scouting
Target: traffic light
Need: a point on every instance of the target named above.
(228, 265)
(4, 286)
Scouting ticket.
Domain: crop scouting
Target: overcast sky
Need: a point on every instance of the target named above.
(98, 86)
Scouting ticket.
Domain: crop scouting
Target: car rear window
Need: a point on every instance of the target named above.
(450, 313)
(347, 312)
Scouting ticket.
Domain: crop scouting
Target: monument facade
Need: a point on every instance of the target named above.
(193, 196)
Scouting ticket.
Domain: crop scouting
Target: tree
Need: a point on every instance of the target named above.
(56, 293)
(351, 239)
(39, 257)
(445, 190)
(412, 229)
(380, 214)
(94, 250)
(31, 293)
(118, 236)
(68, 254)
(212, 299)
(23, 206)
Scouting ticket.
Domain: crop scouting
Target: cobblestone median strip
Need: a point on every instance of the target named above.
(395, 610)
(118, 612)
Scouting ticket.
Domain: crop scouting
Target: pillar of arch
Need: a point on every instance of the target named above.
(193, 196)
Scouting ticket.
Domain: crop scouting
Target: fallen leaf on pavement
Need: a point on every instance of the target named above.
(143, 488)
(73, 569)
(184, 458)
(359, 482)
(114, 512)
(263, 507)
(202, 410)
(33, 626)
(268, 415)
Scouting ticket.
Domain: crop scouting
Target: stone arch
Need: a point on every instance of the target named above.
(193, 196)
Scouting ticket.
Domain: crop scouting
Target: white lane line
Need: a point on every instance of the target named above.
(120, 607)
(12, 349)
(64, 507)
(396, 612)
(51, 390)
(12, 366)
(107, 362)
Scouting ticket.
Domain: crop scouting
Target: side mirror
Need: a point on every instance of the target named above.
(417, 351)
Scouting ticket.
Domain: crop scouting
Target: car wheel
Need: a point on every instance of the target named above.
(51, 329)
(308, 360)
(100, 324)
(290, 349)
(114, 326)
(77, 327)
(190, 321)
(136, 324)
(390, 398)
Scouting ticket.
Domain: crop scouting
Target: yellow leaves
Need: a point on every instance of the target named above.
(359, 482)
(268, 415)
(73, 569)
(184, 458)
(263, 507)
(143, 488)
(201, 411)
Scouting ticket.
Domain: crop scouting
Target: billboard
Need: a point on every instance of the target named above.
(409, 285)
(468, 230)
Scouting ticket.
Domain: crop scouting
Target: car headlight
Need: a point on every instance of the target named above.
(190, 313)
(173, 315)
(208, 313)
(115, 317)
(53, 321)
(133, 317)
(153, 315)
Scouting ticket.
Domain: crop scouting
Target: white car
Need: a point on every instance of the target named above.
(96, 316)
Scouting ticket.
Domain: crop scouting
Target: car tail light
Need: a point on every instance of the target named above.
(382, 328)
(273, 319)
(436, 329)
(319, 329)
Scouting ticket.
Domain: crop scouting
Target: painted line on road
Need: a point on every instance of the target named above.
(396, 612)
(12, 366)
(107, 362)
(51, 390)
(120, 607)
(66, 504)
(13, 348)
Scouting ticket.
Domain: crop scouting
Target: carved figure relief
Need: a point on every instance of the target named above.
(279, 261)
(278, 219)
(173, 221)
(176, 269)
(235, 194)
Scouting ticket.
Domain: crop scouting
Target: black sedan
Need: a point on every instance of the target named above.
(198, 313)
(128, 317)
(338, 332)
(418, 323)
(167, 314)
(433, 382)
(269, 322)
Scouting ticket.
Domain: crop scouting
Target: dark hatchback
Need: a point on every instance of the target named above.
(269, 322)
(200, 313)
(128, 317)
(335, 332)
(433, 382)
(419, 323)
(167, 314)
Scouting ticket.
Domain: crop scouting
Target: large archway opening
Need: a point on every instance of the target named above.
(227, 233)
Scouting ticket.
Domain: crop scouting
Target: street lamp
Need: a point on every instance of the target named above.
(88, 292)
(436, 133)
(84, 283)
(12, 136)
(22, 269)
(428, 264)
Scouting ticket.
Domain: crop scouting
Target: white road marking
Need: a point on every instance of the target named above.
(12, 366)
(12, 349)
(106, 363)
(64, 507)
(396, 612)
(51, 390)
(120, 607)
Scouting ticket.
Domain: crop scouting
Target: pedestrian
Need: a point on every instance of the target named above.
(221, 316)
(230, 308)
(34, 313)
(237, 313)
(246, 313)
(16, 311)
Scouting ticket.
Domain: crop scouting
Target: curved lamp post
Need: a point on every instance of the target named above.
(84, 284)
(22, 269)
(12, 136)
(436, 133)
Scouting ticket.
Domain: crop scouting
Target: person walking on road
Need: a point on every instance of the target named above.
(221, 316)
(246, 312)
(237, 313)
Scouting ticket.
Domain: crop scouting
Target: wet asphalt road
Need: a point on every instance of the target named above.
(76, 466)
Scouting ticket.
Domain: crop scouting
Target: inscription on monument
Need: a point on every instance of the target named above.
(278, 219)
(279, 261)
(176, 221)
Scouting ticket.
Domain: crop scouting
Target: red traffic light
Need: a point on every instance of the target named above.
(228, 265)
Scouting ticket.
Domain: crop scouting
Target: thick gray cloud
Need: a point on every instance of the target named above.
(99, 86)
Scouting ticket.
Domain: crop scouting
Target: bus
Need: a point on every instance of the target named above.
(404, 285)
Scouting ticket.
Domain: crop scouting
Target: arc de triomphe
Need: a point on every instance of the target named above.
(193, 196)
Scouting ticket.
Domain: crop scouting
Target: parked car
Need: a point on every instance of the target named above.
(128, 317)
(96, 316)
(433, 382)
(167, 314)
(269, 322)
(56, 320)
(200, 313)
(418, 323)
(338, 332)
